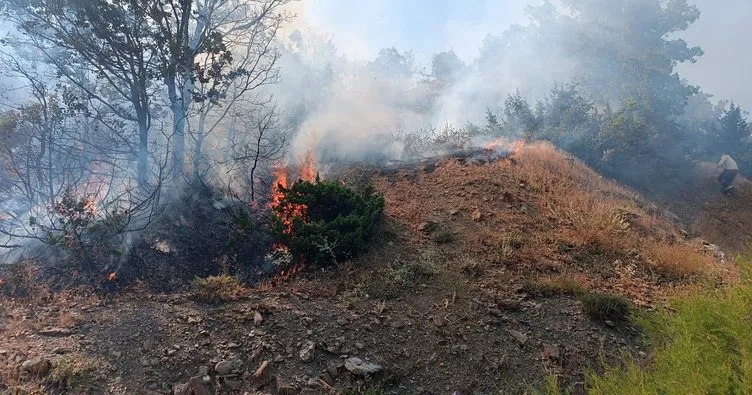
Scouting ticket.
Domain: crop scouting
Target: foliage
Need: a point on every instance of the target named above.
(337, 222)
(217, 289)
(702, 345)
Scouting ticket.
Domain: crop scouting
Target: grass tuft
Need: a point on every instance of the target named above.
(553, 287)
(71, 374)
(444, 237)
(604, 306)
(217, 289)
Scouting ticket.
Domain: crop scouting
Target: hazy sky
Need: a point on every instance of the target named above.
(361, 28)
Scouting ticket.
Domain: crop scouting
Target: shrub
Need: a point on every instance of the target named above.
(604, 306)
(330, 222)
(217, 289)
(73, 374)
(443, 237)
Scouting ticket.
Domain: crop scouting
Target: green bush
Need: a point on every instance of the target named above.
(335, 225)
(604, 306)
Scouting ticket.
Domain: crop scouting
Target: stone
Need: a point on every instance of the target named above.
(333, 370)
(610, 323)
(223, 368)
(203, 370)
(551, 352)
(37, 365)
(307, 352)
(519, 336)
(182, 389)
(233, 384)
(286, 389)
(427, 227)
(55, 332)
(327, 378)
(454, 211)
(233, 345)
(510, 304)
(359, 345)
(257, 319)
(199, 387)
(359, 367)
(438, 321)
(476, 215)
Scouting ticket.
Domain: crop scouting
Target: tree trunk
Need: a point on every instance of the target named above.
(200, 136)
(142, 154)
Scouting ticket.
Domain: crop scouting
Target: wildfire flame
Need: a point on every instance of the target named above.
(498, 144)
(112, 277)
(281, 182)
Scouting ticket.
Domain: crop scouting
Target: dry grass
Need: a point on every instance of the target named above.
(217, 289)
(553, 287)
(679, 261)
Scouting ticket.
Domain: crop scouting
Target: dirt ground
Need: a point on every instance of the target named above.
(443, 302)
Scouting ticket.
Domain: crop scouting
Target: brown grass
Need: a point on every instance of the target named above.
(217, 289)
(679, 261)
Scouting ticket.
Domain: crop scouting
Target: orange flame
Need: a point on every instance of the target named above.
(494, 145)
(281, 182)
(112, 277)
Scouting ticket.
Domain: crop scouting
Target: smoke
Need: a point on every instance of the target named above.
(369, 93)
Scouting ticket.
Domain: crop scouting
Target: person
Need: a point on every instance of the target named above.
(730, 170)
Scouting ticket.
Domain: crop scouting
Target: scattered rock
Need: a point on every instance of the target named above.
(182, 389)
(233, 345)
(279, 358)
(55, 332)
(341, 322)
(519, 336)
(61, 350)
(359, 367)
(438, 321)
(233, 384)
(359, 345)
(194, 320)
(285, 389)
(477, 215)
(327, 378)
(454, 211)
(3, 351)
(257, 319)
(509, 304)
(262, 370)
(333, 370)
(551, 352)
(306, 353)
(223, 368)
(610, 323)
(37, 365)
(427, 227)
(203, 370)
(199, 386)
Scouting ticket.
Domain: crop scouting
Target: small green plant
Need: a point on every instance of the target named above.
(325, 222)
(444, 237)
(72, 374)
(217, 289)
(604, 306)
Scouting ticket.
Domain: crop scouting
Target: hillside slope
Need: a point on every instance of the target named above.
(483, 278)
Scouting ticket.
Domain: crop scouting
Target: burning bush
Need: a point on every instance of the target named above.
(217, 289)
(324, 222)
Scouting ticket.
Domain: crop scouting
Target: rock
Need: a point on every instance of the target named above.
(327, 378)
(199, 386)
(428, 226)
(476, 215)
(519, 336)
(341, 322)
(61, 350)
(279, 358)
(55, 332)
(203, 370)
(438, 321)
(37, 365)
(454, 211)
(233, 345)
(223, 368)
(306, 353)
(285, 389)
(359, 367)
(257, 319)
(261, 370)
(182, 389)
(551, 352)
(194, 320)
(509, 304)
(359, 345)
(333, 370)
(610, 323)
(233, 384)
